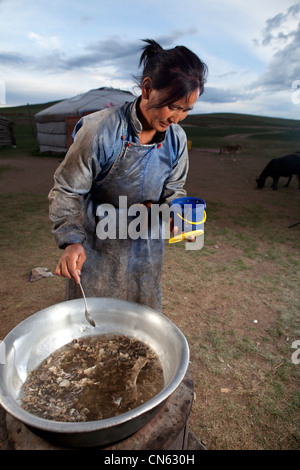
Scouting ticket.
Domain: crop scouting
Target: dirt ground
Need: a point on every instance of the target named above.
(229, 182)
(28, 175)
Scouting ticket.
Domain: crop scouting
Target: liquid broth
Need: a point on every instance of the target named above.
(92, 378)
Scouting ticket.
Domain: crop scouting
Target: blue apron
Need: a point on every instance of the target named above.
(128, 269)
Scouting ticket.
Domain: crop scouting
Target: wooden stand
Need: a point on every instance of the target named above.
(168, 430)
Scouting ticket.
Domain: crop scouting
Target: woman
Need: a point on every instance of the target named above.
(137, 150)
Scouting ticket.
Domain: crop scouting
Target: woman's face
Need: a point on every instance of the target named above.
(159, 119)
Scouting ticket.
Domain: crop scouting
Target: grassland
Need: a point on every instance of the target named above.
(236, 300)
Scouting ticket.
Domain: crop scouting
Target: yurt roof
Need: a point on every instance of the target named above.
(91, 101)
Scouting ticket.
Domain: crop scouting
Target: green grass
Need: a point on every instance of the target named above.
(24, 221)
(248, 270)
(24, 129)
(214, 130)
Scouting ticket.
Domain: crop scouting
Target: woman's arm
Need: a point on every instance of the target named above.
(174, 184)
(72, 182)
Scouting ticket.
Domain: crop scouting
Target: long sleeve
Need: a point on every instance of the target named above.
(174, 184)
(72, 183)
(96, 144)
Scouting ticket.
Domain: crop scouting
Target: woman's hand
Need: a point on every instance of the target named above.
(71, 261)
(174, 230)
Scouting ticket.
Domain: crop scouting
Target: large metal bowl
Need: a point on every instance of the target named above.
(30, 342)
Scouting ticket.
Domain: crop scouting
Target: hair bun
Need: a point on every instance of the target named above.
(150, 51)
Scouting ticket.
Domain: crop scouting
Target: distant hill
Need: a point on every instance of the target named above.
(213, 130)
(204, 130)
(234, 119)
(205, 120)
(17, 111)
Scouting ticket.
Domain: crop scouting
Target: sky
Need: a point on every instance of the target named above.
(56, 50)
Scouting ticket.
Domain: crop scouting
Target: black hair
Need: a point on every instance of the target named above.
(178, 70)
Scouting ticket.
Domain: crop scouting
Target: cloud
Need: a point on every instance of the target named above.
(85, 19)
(114, 50)
(113, 53)
(284, 67)
(282, 33)
(230, 73)
(52, 60)
(279, 27)
(103, 52)
(45, 42)
(226, 95)
(11, 58)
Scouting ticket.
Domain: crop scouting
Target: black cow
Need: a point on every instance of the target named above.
(287, 166)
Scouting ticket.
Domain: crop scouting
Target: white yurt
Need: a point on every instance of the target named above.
(56, 123)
